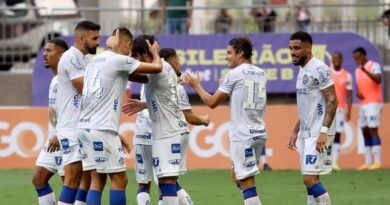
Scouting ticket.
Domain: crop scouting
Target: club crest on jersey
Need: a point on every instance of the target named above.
(249, 152)
(305, 79)
(175, 148)
(139, 158)
(58, 160)
(156, 161)
(121, 161)
(311, 159)
(98, 146)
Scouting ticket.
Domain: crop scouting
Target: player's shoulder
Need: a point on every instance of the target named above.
(54, 79)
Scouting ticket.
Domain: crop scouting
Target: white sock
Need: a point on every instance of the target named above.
(336, 152)
(160, 202)
(376, 151)
(184, 198)
(323, 199)
(48, 199)
(311, 200)
(263, 159)
(252, 201)
(80, 202)
(170, 200)
(63, 203)
(367, 155)
(143, 198)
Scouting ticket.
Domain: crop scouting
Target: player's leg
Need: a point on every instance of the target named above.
(263, 160)
(339, 118)
(143, 172)
(363, 122)
(40, 180)
(373, 124)
(98, 182)
(81, 196)
(72, 156)
(118, 188)
(183, 196)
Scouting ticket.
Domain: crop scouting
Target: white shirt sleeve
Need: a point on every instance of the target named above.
(323, 76)
(349, 82)
(126, 64)
(376, 69)
(227, 84)
(74, 68)
(184, 99)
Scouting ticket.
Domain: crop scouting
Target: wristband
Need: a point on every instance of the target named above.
(324, 130)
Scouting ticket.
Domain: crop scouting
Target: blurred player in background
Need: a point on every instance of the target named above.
(70, 85)
(106, 78)
(343, 84)
(50, 158)
(315, 129)
(369, 91)
(245, 83)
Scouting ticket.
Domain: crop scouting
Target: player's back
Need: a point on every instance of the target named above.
(163, 103)
(71, 66)
(246, 85)
(105, 82)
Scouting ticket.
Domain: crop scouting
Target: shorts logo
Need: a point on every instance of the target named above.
(101, 159)
(65, 143)
(328, 162)
(175, 148)
(175, 161)
(121, 161)
(320, 109)
(373, 118)
(182, 124)
(329, 151)
(305, 79)
(58, 160)
(250, 164)
(311, 159)
(141, 171)
(249, 152)
(156, 161)
(98, 146)
(139, 158)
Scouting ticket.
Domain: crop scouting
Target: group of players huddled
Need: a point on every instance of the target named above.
(85, 104)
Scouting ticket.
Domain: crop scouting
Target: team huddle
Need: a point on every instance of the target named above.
(85, 105)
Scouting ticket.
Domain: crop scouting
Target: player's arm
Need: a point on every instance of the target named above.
(210, 100)
(348, 96)
(156, 65)
(293, 138)
(375, 76)
(194, 119)
(134, 106)
(78, 83)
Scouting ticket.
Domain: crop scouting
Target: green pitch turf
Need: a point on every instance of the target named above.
(209, 187)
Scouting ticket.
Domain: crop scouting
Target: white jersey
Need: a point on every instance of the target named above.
(143, 124)
(163, 103)
(312, 78)
(71, 66)
(52, 107)
(246, 85)
(105, 82)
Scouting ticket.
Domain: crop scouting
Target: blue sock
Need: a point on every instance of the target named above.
(168, 190)
(143, 190)
(117, 197)
(160, 197)
(368, 141)
(376, 141)
(94, 197)
(67, 195)
(81, 195)
(316, 190)
(42, 191)
(178, 187)
(249, 193)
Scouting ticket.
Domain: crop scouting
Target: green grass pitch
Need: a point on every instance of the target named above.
(213, 187)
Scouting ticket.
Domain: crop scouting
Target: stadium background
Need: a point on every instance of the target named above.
(336, 25)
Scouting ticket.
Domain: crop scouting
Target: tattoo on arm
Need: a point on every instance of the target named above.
(331, 105)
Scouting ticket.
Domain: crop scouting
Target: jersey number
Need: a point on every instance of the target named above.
(256, 95)
(95, 86)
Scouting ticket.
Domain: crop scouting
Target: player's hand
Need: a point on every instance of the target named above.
(220, 81)
(54, 145)
(191, 80)
(134, 106)
(360, 96)
(293, 140)
(153, 48)
(321, 143)
(126, 146)
(347, 116)
(205, 119)
(113, 41)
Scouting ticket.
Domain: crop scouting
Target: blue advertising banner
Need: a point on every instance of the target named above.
(206, 54)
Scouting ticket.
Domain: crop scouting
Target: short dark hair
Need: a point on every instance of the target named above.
(360, 50)
(167, 53)
(302, 36)
(338, 53)
(87, 26)
(243, 44)
(140, 46)
(59, 43)
(123, 32)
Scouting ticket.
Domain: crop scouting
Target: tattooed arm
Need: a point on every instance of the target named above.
(331, 105)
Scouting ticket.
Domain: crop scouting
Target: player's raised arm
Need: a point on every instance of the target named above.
(194, 119)
(156, 65)
(211, 101)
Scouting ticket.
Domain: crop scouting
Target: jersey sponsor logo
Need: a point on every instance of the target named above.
(324, 74)
(154, 106)
(85, 120)
(58, 160)
(98, 146)
(115, 106)
(101, 159)
(311, 159)
(253, 73)
(254, 131)
(139, 158)
(175, 161)
(121, 161)
(144, 136)
(175, 148)
(305, 79)
(156, 161)
(320, 109)
(76, 100)
(64, 143)
(248, 152)
(301, 91)
(249, 164)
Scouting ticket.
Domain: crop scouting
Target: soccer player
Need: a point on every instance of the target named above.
(105, 83)
(315, 129)
(369, 91)
(343, 84)
(169, 142)
(143, 138)
(246, 85)
(50, 158)
(70, 84)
